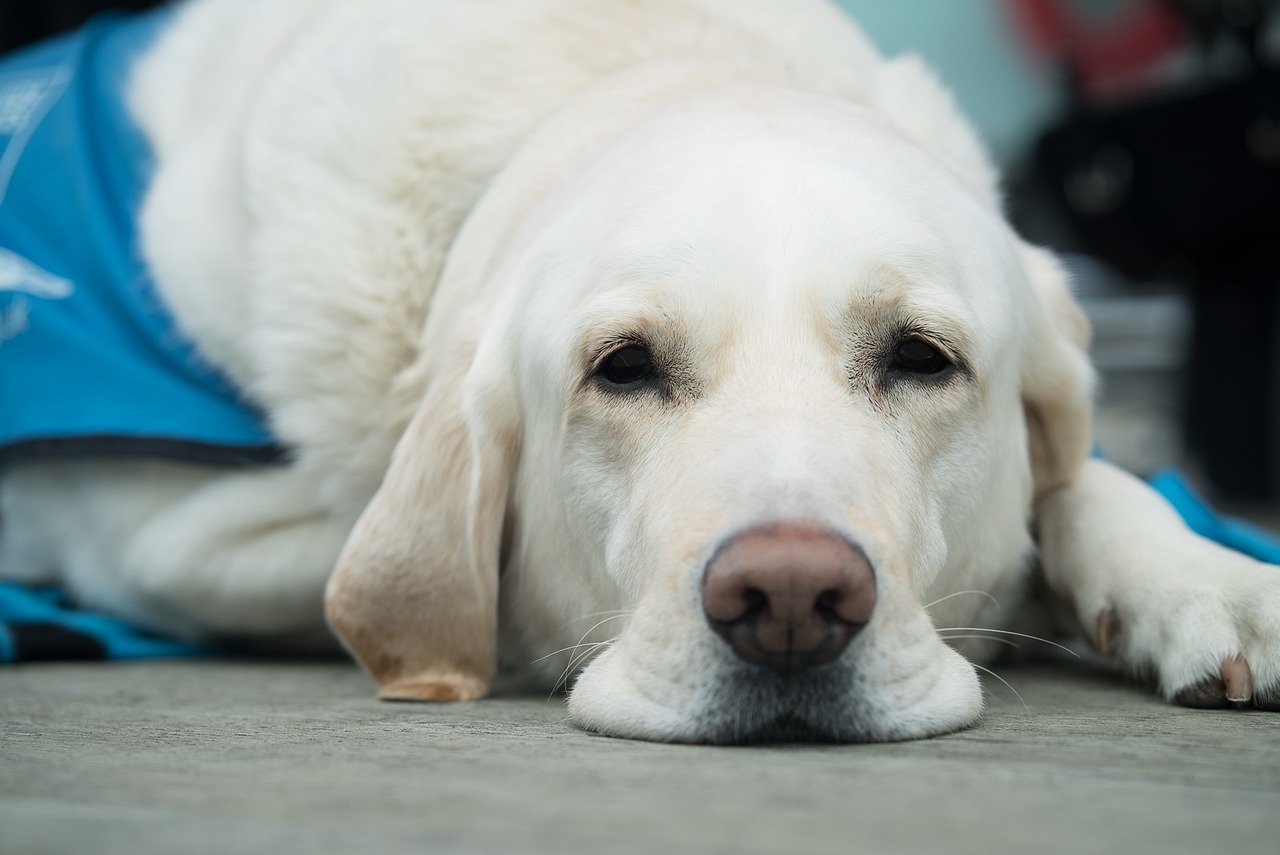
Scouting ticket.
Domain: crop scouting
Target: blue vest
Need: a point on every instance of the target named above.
(91, 362)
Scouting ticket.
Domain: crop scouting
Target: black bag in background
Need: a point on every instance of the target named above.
(1183, 182)
(24, 21)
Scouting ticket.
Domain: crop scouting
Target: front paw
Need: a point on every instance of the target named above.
(1210, 633)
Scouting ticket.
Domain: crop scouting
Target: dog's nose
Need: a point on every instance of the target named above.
(788, 596)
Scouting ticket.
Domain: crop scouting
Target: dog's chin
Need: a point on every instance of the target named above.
(752, 705)
(747, 705)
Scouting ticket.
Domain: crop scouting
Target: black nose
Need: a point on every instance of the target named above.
(788, 596)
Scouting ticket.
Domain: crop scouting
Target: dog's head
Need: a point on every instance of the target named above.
(722, 395)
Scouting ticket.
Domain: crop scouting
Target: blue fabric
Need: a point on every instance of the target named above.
(1203, 520)
(87, 350)
(40, 624)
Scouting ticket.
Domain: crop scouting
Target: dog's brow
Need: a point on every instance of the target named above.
(600, 342)
(655, 264)
(612, 319)
(943, 330)
(900, 318)
(888, 297)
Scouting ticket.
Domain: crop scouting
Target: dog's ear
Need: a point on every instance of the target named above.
(1057, 377)
(415, 593)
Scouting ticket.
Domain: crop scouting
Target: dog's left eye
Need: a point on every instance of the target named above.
(627, 365)
(919, 357)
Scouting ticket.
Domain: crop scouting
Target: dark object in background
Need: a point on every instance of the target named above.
(1182, 180)
(24, 21)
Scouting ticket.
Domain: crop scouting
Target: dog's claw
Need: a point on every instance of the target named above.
(1108, 626)
(1231, 687)
(1237, 679)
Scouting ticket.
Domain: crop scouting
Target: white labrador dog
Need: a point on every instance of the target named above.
(680, 345)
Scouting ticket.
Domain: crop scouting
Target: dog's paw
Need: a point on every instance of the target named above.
(1209, 630)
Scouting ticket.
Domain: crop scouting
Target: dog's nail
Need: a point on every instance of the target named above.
(1108, 626)
(1208, 694)
(1237, 679)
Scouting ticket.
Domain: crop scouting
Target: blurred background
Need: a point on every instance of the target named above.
(1141, 140)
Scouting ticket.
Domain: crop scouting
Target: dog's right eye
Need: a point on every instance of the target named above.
(919, 357)
(626, 366)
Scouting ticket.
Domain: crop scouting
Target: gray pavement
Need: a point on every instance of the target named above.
(299, 757)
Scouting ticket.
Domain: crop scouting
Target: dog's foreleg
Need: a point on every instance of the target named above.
(245, 555)
(1145, 588)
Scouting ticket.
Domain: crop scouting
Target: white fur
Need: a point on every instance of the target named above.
(404, 228)
(1184, 604)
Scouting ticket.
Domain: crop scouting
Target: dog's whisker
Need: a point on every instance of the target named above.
(613, 613)
(1004, 641)
(589, 649)
(597, 625)
(576, 661)
(1026, 708)
(579, 642)
(1007, 632)
(601, 623)
(558, 652)
(579, 650)
(993, 600)
(562, 680)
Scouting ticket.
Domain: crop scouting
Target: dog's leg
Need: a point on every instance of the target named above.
(183, 550)
(246, 555)
(1203, 618)
(68, 523)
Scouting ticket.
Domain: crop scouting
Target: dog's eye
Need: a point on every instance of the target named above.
(919, 357)
(627, 365)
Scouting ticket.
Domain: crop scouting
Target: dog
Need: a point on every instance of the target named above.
(679, 349)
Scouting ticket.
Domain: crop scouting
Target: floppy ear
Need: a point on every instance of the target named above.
(415, 593)
(1057, 377)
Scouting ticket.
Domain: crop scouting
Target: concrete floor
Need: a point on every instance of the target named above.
(270, 757)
